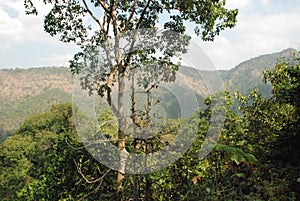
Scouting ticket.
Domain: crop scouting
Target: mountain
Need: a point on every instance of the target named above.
(28, 91)
(249, 74)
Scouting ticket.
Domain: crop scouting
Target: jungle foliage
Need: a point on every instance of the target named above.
(44, 159)
(256, 157)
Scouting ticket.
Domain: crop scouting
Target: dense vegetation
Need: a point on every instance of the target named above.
(27, 91)
(256, 158)
(247, 75)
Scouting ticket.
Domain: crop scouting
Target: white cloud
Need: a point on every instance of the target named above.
(19, 27)
(18, 30)
(56, 59)
(9, 28)
(255, 34)
(265, 2)
(238, 3)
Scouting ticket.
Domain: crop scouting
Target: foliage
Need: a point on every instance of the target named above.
(28, 91)
(285, 80)
(3, 134)
(273, 129)
(66, 18)
(105, 61)
(248, 74)
(42, 159)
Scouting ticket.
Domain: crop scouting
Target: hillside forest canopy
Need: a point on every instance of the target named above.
(255, 157)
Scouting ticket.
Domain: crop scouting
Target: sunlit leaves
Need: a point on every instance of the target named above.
(66, 19)
(236, 155)
(285, 80)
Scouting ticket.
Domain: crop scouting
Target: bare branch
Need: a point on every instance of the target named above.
(86, 179)
(97, 142)
(112, 5)
(75, 148)
(104, 6)
(90, 193)
(151, 87)
(115, 23)
(96, 189)
(114, 16)
(127, 61)
(93, 16)
(104, 21)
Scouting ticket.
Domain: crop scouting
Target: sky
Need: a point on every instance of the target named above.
(263, 27)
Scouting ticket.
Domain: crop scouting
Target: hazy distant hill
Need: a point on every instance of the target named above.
(28, 91)
(249, 74)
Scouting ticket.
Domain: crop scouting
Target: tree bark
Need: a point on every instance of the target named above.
(121, 136)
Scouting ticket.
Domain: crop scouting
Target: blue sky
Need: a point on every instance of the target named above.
(264, 26)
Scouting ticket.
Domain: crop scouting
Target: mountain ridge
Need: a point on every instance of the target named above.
(28, 91)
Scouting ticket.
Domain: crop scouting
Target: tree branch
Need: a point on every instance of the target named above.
(104, 6)
(86, 179)
(94, 191)
(151, 87)
(104, 22)
(75, 148)
(130, 17)
(142, 14)
(93, 16)
(127, 61)
(154, 2)
(90, 193)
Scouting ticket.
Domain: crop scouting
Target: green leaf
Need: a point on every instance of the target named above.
(236, 155)
(239, 174)
(251, 159)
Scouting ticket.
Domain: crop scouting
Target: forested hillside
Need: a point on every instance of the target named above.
(249, 74)
(27, 91)
(154, 130)
(255, 158)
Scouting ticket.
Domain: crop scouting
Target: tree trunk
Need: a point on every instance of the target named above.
(121, 136)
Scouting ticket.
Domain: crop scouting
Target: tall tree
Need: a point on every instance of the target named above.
(285, 80)
(273, 129)
(111, 21)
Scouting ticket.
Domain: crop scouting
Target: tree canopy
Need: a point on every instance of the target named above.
(256, 157)
(104, 61)
(91, 24)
